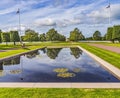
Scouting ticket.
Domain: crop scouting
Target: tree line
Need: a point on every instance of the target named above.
(113, 33)
(30, 36)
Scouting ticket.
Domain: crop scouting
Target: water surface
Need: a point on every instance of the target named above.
(54, 65)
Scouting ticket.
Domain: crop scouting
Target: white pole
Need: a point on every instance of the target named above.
(109, 13)
(19, 25)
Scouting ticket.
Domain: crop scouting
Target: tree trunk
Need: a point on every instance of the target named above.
(14, 43)
(6, 43)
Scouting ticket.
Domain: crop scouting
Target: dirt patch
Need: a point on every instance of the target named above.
(2, 51)
(110, 48)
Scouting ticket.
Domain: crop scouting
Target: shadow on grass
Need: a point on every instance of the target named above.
(26, 48)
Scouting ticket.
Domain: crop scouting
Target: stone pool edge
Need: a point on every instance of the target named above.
(104, 64)
(19, 54)
(109, 67)
(60, 85)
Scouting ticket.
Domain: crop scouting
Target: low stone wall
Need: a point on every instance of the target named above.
(109, 67)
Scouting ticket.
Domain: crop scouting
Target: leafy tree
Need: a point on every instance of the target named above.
(5, 37)
(97, 35)
(104, 37)
(89, 38)
(14, 36)
(116, 33)
(76, 35)
(30, 35)
(52, 35)
(61, 37)
(109, 34)
(42, 37)
(0, 36)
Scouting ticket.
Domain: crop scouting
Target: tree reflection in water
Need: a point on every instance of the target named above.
(2, 73)
(76, 52)
(43, 50)
(13, 61)
(32, 54)
(53, 52)
(17, 71)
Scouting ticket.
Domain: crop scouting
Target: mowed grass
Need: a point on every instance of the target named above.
(111, 57)
(58, 93)
(13, 50)
(17, 51)
(109, 44)
(6, 47)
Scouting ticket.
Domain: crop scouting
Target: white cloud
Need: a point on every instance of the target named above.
(65, 15)
(45, 22)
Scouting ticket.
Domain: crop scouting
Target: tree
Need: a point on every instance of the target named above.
(14, 36)
(0, 36)
(89, 38)
(104, 37)
(116, 33)
(97, 35)
(42, 37)
(30, 35)
(5, 37)
(109, 34)
(76, 35)
(52, 35)
(61, 37)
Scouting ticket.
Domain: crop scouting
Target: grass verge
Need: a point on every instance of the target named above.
(109, 44)
(111, 57)
(58, 93)
(20, 50)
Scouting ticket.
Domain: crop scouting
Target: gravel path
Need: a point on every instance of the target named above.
(2, 50)
(110, 48)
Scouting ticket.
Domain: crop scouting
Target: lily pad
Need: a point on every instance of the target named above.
(66, 75)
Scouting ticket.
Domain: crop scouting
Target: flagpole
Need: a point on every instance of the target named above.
(19, 25)
(109, 13)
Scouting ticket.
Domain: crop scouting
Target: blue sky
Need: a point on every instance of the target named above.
(63, 15)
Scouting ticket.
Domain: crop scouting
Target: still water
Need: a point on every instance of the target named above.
(54, 65)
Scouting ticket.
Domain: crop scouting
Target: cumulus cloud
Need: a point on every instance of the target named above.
(45, 22)
(58, 13)
(104, 13)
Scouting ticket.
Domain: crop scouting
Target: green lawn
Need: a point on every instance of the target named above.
(109, 44)
(111, 57)
(58, 93)
(5, 47)
(20, 50)
(30, 46)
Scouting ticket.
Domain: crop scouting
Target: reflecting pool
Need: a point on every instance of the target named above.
(54, 65)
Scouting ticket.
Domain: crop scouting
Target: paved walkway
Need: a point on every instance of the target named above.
(110, 48)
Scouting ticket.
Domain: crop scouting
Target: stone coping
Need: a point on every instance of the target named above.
(109, 67)
(17, 55)
(115, 71)
(60, 85)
